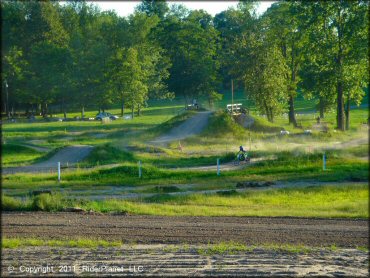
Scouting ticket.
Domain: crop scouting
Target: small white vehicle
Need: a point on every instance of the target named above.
(102, 115)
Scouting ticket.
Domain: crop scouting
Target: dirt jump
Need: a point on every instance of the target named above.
(190, 127)
(70, 155)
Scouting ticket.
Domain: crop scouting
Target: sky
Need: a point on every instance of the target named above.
(124, 8)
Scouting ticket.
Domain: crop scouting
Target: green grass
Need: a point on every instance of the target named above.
(125, 142)
(222, 248)
(14, 243)
(342, 166)
(12, 154)
(347, 201)
(232, 248)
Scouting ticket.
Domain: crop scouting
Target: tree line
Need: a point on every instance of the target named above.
(73, 54)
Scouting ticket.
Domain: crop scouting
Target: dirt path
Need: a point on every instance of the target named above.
(191, 230)
(70, 155)
(191, 126)
(245, 121)
(228, 166)
(349, 144)
(36, 148)
(183, 261)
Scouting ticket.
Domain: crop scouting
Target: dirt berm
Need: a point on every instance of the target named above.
(190, 127)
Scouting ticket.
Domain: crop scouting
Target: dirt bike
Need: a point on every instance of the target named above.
(240, 158)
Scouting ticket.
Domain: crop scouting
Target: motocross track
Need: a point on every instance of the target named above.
(70, 155)
(191, 126)
(192, 230)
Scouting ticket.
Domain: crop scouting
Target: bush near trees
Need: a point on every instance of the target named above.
(74, 55)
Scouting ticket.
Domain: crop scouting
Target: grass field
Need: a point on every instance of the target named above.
(324, 201)
(122, 143)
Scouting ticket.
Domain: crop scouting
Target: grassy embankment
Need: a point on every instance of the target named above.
(325, 201)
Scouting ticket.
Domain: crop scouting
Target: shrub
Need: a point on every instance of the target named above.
(222, 123)
(262, 125)
(48, 202)
(11, 204)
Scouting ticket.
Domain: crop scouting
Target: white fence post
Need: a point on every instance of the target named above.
(139, 169)
(58, 171)
(218, 166)
(324, 161)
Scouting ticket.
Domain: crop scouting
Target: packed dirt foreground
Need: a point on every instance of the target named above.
(192, 230)
(158, 245)
(164, 260)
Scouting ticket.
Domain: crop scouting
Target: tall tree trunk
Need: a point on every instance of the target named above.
(348, 107)
(340, 107)
(132, 111)
(27, 109)
(186, 101)
(271, 115)
(44, 110)
(139, 110)
(321, 108)
(83, 111)
(292, 119)
(339, 60)
(267, 111)
(122, 107)
(64, 109)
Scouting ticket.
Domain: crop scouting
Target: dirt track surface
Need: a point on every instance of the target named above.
(70, 155)
(228, 166)
(192, 230)
(191, 126)
(162, 260)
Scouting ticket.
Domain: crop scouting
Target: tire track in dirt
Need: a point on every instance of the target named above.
(192, 230)
(172, 261)
(190, 127)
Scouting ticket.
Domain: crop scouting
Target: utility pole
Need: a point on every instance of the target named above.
(232, 96)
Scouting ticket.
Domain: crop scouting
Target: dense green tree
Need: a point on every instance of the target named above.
(284, 29)
(263, 70)
(74, 55)
(153, 7)
(192, 46)
(230, 25)
(135, 88)
(338, 30)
